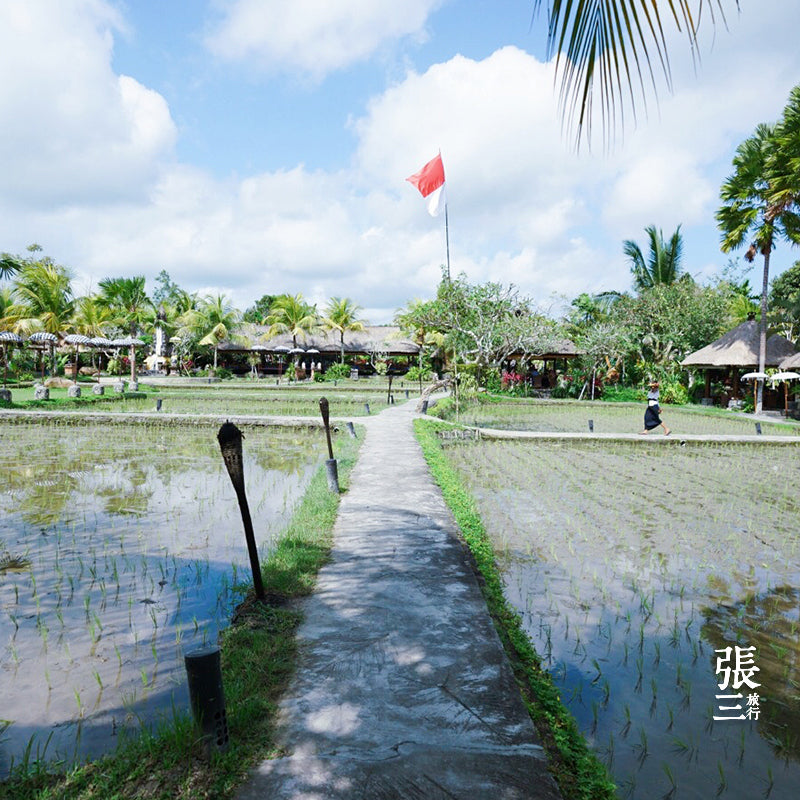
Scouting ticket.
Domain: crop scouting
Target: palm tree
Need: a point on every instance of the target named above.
(92, 319)
(43, 299)
(754, 211)
(213, 320)
(342, 315)
(292, 315)
(9, 266)
(609, 42)
(663, 264)
(129, 304)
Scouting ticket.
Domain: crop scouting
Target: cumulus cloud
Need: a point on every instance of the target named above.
(314, 37)
(73, 129)
(523, 206)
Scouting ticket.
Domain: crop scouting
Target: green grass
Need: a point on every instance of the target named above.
(258, 660)
(580, 775)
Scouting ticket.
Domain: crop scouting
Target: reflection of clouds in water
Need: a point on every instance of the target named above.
(771, 622)
(133, 553)
(610, 552)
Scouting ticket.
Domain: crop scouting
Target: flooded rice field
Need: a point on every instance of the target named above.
(634, 568)
(574, 416)
(264, 402)
(120, 550)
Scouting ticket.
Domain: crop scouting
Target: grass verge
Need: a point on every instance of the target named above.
(258, 657)
(579, 773)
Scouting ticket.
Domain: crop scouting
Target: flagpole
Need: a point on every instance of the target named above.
(447, 238)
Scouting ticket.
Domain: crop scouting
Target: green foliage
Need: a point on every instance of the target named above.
(259, 311)
(336, 372)
(417, 374)
(663, 264)
(673, 392)
(623, 394)
(579, 773)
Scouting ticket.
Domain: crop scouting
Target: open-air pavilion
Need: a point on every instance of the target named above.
(734, 353)
(324, 348)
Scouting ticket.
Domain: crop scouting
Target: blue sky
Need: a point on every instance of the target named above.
(259, 146)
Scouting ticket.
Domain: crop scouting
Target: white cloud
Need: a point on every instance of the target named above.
(72, 129)
(523, 207)
(314, 37)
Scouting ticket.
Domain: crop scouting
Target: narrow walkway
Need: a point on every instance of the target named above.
(403, 689)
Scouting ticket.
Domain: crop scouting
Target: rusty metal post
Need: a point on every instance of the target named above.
(230, 442)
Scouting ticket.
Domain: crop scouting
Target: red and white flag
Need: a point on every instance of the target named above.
(430, 182)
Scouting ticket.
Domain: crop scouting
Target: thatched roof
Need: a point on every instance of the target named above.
(739, 348)
(793, 363)
(373, 339)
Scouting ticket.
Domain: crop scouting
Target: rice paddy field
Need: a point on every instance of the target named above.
(631, 565)
(574, 416)
(120, 550)
(244, 399)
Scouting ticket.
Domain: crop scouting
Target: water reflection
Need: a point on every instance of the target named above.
(769, 621)
(134, 549)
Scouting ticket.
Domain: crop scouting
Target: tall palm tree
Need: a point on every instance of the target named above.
(129, 304)
(291, 314)
(612, 44)
(753, 211)
(43, 299)
(92, 319)
(213, 321)
(341, 315)
(663, 264)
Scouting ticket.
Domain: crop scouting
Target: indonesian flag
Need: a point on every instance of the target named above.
(430, 182)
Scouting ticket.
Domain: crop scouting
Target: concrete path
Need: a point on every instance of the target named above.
(403, 689)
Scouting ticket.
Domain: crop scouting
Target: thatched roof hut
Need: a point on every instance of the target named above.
(739, 348)
(791, 363)
(387, 339)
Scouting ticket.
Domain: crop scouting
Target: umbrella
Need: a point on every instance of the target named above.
(281, 348)
(43, 338)
(785, 376)
(296, 350)
(312, 350)
(77, 339)
(127, 342)
(101, 341)
(754, 376)
(7, 338)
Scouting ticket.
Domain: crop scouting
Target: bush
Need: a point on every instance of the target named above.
(318, 377)
(673, 392)
(624, 394)
(335, 372)
(415, 374)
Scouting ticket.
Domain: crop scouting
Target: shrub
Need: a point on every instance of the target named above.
(415, 374)
(335, 372)
(624, 394)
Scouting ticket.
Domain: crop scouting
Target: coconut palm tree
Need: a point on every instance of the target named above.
(341, 315)
(9, 266)
(612, 45)
(663, 264)
(42, 299)
(754, 211)
(129, 304)
(291, 314)
(213, 321)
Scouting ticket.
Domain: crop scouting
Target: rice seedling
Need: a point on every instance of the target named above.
(120, 525)
(623, 551)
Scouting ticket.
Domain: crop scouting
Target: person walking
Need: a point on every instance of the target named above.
(652, 415)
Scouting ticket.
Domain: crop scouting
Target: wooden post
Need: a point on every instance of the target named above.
(325, 411)
(230, 442)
